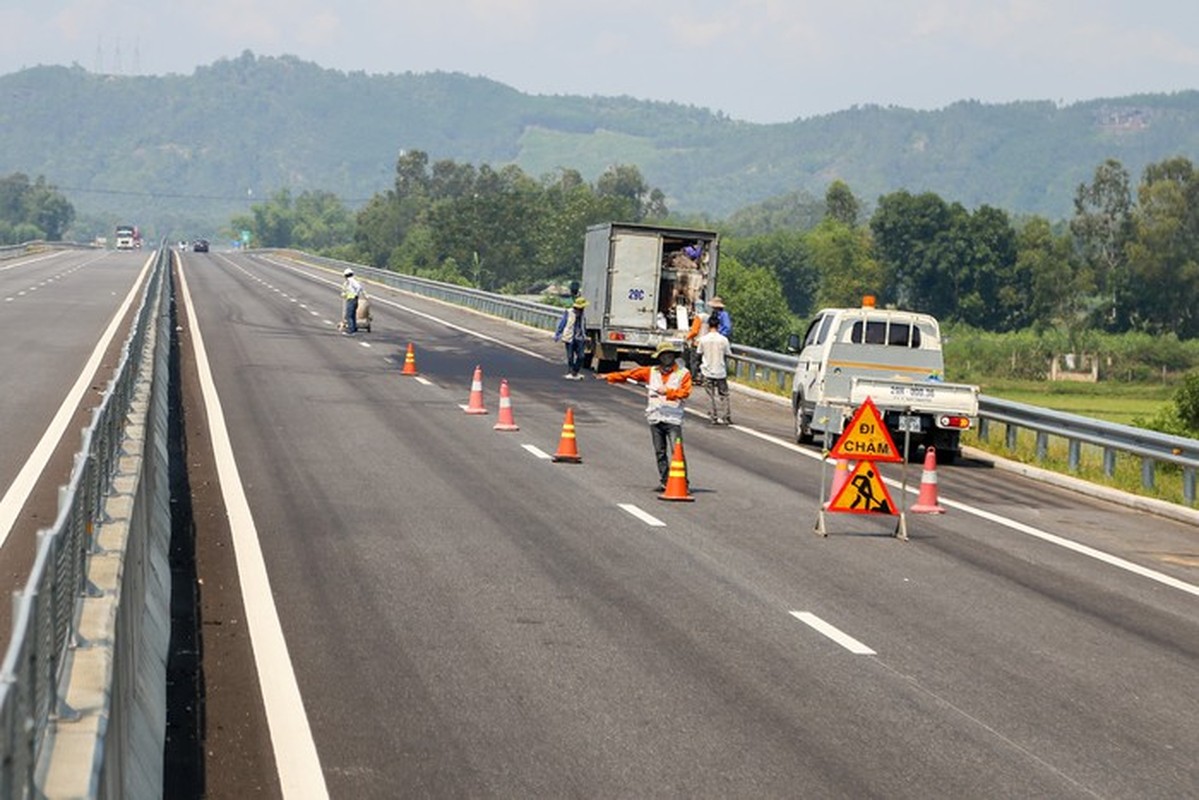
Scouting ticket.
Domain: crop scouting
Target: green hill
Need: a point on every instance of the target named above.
(182, 154)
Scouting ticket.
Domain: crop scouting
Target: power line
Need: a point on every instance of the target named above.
(179, 195)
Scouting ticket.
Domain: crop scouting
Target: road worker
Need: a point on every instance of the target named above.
(668, 385)
(351, 289)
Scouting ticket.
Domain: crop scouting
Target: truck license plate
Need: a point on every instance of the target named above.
(909, 423)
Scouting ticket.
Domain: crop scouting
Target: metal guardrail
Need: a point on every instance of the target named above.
(775, 369)
(46, 609)
(1150, 447)
(9, 251)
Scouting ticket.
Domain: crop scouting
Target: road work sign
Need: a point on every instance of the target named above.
(866, 438)
(864, 492)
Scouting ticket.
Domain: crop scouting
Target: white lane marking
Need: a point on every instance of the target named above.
(418, 313)
(1111, 560)
(1081, 549)
(840, 637)
(1011, 524)
(537, 451)
(423, 380)
(22, 486)
(365, 344)
(644, 516)
(296, 758)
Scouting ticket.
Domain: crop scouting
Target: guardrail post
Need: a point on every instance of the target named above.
(1010, 437)
(984, 429)
(1042, 445)
(1188, 485)
(1075, 454)
(1109, 462)
(1147, 472)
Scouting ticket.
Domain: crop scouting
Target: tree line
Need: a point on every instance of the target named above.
(32, 210)
(1126, 261)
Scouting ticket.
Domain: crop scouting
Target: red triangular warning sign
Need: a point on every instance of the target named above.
(864, 492)
(866, 438)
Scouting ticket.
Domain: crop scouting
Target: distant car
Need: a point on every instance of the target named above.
(200, 246)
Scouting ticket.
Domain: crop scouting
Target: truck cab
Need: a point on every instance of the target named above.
(892, 356)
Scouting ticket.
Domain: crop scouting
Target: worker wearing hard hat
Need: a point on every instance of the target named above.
(351, 289)
(668, 385)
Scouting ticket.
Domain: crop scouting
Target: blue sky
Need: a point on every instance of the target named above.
(755, 60)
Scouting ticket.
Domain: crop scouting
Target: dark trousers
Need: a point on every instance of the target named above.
(352, 314)
(664, 435)
(574, 355)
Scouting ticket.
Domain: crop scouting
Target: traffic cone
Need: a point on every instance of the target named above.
(475, 404)
(840, 478)
(568, 450)
(676, 478)
(926, 503)
(409, 362)
(505, 422)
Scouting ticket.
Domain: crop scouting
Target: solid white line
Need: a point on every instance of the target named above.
(416, 312)
(1082, 549)
(22, 486)
(1111, 560)
(845, 640)
(1011, 524)
(647, 518)
(537, 451)
(296, 758)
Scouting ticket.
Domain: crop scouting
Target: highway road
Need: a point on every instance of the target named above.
(436, 608)
(64, 320)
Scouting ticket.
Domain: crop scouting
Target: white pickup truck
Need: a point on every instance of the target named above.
(894, 358)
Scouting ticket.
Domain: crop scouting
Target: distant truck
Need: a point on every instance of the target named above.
(128, 237)
(642, 283)
(894, 358)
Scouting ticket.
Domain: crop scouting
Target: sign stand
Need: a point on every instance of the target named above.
(901, 527)
(824, 451)
(867, 442)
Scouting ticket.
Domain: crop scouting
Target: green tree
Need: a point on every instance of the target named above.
(625, 182)
(1186, 402)
(1163, 254)
(1103, 226)
(1056, 288)
(785, 254)
(843, 260)
(32, 210)
(322, 222)
(840, 204)
(914, 243)
(754, 299)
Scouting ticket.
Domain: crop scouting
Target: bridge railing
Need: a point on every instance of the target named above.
(98, 573)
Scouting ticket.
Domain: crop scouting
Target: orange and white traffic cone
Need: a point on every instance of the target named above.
(676, 478)
(409, 362)
(926, 502)
(840, 478)
(568, 449)
(506, 421)
(475, 404)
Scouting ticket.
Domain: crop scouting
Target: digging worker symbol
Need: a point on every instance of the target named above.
(865, 494)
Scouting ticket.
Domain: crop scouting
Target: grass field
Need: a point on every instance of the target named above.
(1113, 402)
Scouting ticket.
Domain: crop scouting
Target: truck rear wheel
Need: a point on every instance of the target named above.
(803, 422)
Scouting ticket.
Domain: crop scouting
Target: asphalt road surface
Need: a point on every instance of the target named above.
(65, 317)
(391, 598)
(397, 600)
